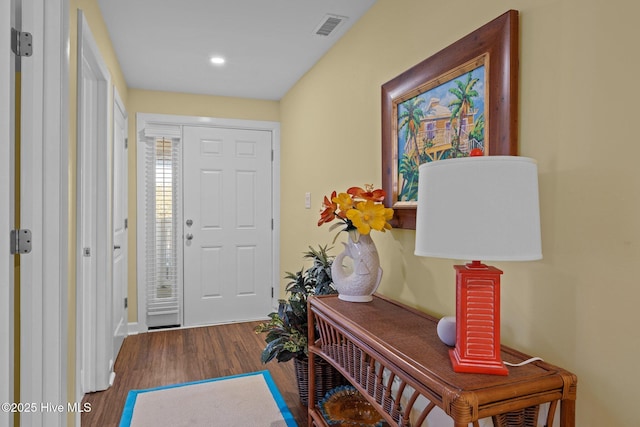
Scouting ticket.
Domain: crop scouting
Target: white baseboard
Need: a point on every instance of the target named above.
(132, 328)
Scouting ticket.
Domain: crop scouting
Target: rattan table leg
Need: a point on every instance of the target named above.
(568, 413)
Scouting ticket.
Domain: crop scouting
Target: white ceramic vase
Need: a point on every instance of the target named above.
(357, 284)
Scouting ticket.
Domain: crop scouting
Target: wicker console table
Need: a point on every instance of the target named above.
(392, 355)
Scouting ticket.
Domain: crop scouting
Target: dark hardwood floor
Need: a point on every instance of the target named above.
(175, 356)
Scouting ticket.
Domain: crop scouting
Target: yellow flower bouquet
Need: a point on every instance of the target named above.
(358, 210)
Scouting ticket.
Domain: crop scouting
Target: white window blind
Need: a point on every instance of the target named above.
(162, 243)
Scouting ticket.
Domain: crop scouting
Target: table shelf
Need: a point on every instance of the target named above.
(392, 355)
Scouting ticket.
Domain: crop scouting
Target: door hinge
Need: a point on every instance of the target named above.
(126, 302)
(126, 223)
(21, 43)
(20, 241)
(272, 224)
(126, 143)
(272, 292)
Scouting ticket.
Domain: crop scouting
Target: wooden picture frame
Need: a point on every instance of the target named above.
(492, 50)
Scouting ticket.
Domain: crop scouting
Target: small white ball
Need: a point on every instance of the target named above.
(447, 330)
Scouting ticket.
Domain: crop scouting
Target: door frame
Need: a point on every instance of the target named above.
(176, 120)
(94, 364)
(44, 208)
(6, 211)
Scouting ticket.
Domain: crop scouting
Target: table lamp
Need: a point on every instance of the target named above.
(479, 208)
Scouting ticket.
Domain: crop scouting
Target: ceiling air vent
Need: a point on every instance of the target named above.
(329, 24)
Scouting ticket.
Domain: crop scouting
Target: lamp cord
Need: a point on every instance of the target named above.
(526, 362)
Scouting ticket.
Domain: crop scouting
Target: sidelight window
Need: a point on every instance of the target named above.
(162, 252)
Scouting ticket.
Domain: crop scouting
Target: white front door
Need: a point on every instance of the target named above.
(227, 224)
(120, 225)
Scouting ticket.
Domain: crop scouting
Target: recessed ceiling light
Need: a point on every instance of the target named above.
(217, 60)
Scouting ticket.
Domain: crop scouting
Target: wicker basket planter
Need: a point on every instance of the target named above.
(327, 378)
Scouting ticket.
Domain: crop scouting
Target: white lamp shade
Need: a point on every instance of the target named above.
(479, 208)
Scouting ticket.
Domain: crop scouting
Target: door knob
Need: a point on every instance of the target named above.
(189, 236)
(189, 222)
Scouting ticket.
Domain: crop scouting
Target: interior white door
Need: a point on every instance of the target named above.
(120, 225)
(94, 216)
(227, 226)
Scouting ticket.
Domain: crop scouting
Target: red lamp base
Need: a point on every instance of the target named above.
(477, 320)
(476, 366)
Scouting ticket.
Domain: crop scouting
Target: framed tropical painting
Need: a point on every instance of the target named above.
(463, 98)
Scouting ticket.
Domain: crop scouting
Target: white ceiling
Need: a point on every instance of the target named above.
(268, 44)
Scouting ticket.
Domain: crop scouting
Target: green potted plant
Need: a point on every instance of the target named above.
(287, 333)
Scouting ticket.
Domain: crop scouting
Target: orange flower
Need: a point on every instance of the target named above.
(367, 194)
(329, 212)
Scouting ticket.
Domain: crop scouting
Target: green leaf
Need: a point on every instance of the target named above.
(286, 331)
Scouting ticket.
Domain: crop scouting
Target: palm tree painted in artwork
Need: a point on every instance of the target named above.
(409, 120)
(464, 92)
(408, 168)
(477, 133)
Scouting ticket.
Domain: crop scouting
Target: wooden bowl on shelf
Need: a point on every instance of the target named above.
(344, 406)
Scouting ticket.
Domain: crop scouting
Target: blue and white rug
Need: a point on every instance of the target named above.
(240, 400)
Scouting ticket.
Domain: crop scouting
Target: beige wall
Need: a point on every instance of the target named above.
(144, 101)
(575, 308)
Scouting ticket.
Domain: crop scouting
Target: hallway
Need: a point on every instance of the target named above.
(182, 355)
